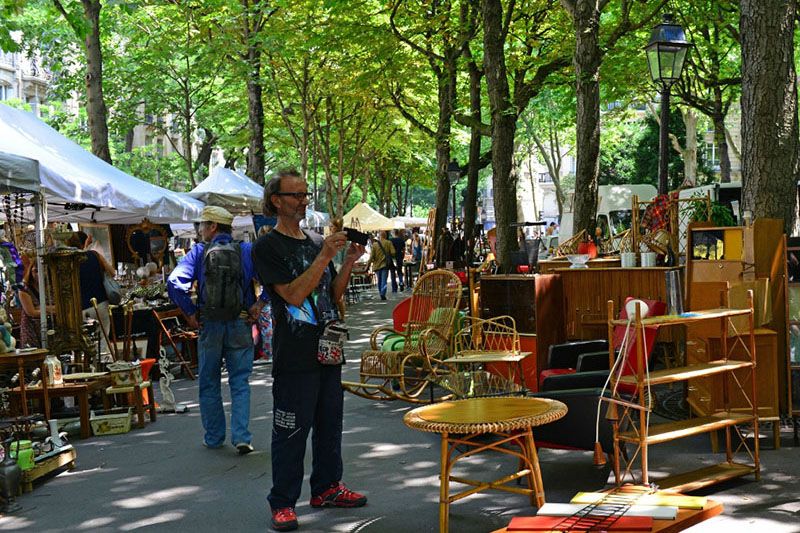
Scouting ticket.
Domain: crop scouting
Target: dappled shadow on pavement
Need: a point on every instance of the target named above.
(161, 478)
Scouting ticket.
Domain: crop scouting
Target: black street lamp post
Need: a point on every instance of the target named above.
(666, 53)
(453, 175)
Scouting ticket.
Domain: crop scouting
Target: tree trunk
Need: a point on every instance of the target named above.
(689, 153)
(504, 125)
(587, 60)
(718, 118)
(187, 140)
(471, 199)
(204, 155)
(769, 109)
(96, 111)
(255, 116)
(446, 90)
(129, 141)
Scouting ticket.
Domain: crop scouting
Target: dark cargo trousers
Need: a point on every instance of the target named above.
(303, 402)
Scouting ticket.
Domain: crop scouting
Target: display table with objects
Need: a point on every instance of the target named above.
(630, 508)
(469, 427)
(79, 391)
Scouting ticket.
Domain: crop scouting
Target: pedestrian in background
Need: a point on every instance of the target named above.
(225, 310)
(381, 258)
(399, 243)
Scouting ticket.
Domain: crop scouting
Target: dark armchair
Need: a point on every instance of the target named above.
(575, 365)
(577, 429)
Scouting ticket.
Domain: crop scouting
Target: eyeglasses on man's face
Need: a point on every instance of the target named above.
(299, 196)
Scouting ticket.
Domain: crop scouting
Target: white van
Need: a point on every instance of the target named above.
(727, 194)
(613, 208)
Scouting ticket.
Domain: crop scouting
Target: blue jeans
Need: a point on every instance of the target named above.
(233, 341)
(397, 276)
(382, 274)
(303, 403)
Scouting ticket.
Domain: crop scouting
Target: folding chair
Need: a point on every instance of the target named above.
(177, 334)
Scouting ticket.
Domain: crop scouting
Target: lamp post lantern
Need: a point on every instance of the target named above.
(666, 53)
(453, 175)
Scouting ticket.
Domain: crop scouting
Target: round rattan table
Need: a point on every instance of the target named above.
(468, 424)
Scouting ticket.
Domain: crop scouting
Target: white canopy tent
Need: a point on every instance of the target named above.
(79, 187)
(21, 175)
(242, 196)
(230, 189)
(410, 222)
(315, 219)
(364, 218)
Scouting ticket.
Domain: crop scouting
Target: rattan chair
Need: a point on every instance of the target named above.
(414, 361)
(486, 359)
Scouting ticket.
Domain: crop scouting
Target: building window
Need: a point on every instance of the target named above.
(544, 177)
(5, 92)
(711, 155)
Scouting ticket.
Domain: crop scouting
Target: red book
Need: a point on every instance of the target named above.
(562, 523)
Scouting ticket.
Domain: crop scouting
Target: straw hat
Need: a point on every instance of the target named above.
(213, 213)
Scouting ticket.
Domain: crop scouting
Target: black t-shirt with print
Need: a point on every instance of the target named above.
(279, 259)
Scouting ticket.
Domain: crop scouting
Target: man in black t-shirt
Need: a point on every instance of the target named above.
(296, 268)
(399, 243)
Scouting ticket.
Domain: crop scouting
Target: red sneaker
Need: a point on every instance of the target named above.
(338, 496)
(284, 519)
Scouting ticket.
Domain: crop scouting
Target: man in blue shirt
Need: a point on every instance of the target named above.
(219, 338)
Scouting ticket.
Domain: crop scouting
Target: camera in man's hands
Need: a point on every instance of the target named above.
(358, 237)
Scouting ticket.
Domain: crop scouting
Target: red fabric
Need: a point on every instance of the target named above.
(589, 248)
(656, 308)
(400, 314)
(552, 523)
(656, 216)
(553, 372)
(462, 275)
(522, 269)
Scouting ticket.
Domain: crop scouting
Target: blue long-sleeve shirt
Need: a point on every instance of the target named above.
(190, 269)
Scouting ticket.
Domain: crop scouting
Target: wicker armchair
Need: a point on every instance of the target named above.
(486, 359)
(406, 370)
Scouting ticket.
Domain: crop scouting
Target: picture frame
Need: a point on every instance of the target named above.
(101, 240)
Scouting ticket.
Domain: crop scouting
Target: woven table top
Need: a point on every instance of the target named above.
(485, 415)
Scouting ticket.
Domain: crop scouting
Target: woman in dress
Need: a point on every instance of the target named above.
(28, 295)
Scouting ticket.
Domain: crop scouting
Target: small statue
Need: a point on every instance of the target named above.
(167, 396)
(7, 342)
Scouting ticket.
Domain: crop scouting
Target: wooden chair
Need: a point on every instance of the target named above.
(174, 335)
(415, 360)
(486, 360)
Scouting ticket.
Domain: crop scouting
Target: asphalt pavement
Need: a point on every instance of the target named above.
(161, 478)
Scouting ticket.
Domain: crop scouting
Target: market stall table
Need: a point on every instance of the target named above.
(468, 423)
(20, 358)
(80, 391)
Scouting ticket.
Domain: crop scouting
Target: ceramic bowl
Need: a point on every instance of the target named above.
(578, 260)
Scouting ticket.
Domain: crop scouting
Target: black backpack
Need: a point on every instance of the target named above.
(222, 292)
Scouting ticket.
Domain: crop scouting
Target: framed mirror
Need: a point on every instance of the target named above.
(147, 241)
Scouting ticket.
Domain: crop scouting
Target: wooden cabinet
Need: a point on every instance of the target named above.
(632, 424)
(535, 304)
(586, 292)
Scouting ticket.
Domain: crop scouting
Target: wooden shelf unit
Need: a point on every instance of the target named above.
(634, 414)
